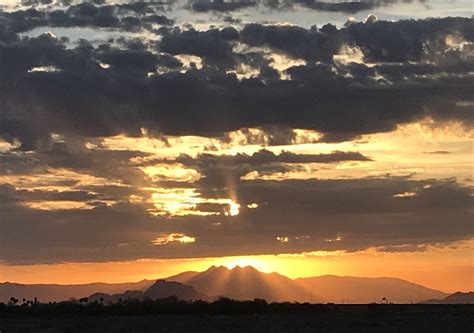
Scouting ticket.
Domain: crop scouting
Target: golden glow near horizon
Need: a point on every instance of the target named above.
(448, 268)
(259, 263)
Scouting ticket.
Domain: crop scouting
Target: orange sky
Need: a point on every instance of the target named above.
(448, 269)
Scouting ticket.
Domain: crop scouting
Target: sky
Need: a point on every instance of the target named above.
(298, 136)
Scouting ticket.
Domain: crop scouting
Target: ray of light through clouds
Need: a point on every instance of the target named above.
(304, 137)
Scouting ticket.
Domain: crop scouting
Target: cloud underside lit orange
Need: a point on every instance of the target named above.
(421, 150)
(415, 151)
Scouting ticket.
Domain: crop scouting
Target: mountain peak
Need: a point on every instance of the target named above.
(244, 268)
(214, 268)
(163, 288)
(245, 282)
(236, 268)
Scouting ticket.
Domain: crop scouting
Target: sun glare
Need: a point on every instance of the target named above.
(233, 262)
(233, 210)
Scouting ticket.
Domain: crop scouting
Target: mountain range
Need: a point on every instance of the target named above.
(238, 283)
(456, 298)
(159, 290)
(243, 283)
(59, 292)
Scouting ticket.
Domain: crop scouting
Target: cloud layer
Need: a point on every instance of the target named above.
(68, 195)
(410, 70)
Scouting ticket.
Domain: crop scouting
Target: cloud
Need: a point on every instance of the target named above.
(100, 204)
(220, 5)
(438, 152)
(295, 41)
(235, 5)
(332, 6)
(266, 157)
(85, 14)
(219, 168)
(83, 98)
(315, 215)
(212, 45)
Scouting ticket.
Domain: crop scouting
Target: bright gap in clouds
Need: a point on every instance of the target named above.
(233, 210)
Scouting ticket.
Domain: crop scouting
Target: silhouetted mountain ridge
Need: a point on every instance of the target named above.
(349, 289)
(58, 292)
(455, 298)
(241, 283)
(244, 283)
(115, 298)
(163, 289)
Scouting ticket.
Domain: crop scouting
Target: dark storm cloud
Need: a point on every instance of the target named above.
(266, 157)
(106, 164)
(18, 197)
(135, 62)
(235, 5)
(218, 171)
(382, 41)
(318, 5)
(56, 96)
(83, 99)
(438, 152)
(295, 41)
(84, 14)
(315, 215)
(87, 91)
(220, 5)
(361, 212)
(212, 45)
(74, 195)
(349, 6)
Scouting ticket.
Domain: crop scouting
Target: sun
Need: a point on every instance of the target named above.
(233, 210)
(232, 262)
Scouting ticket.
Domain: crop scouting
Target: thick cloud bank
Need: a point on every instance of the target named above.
(406, 70)
(69, 194)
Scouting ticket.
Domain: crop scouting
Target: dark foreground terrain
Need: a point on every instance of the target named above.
(234, 316)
